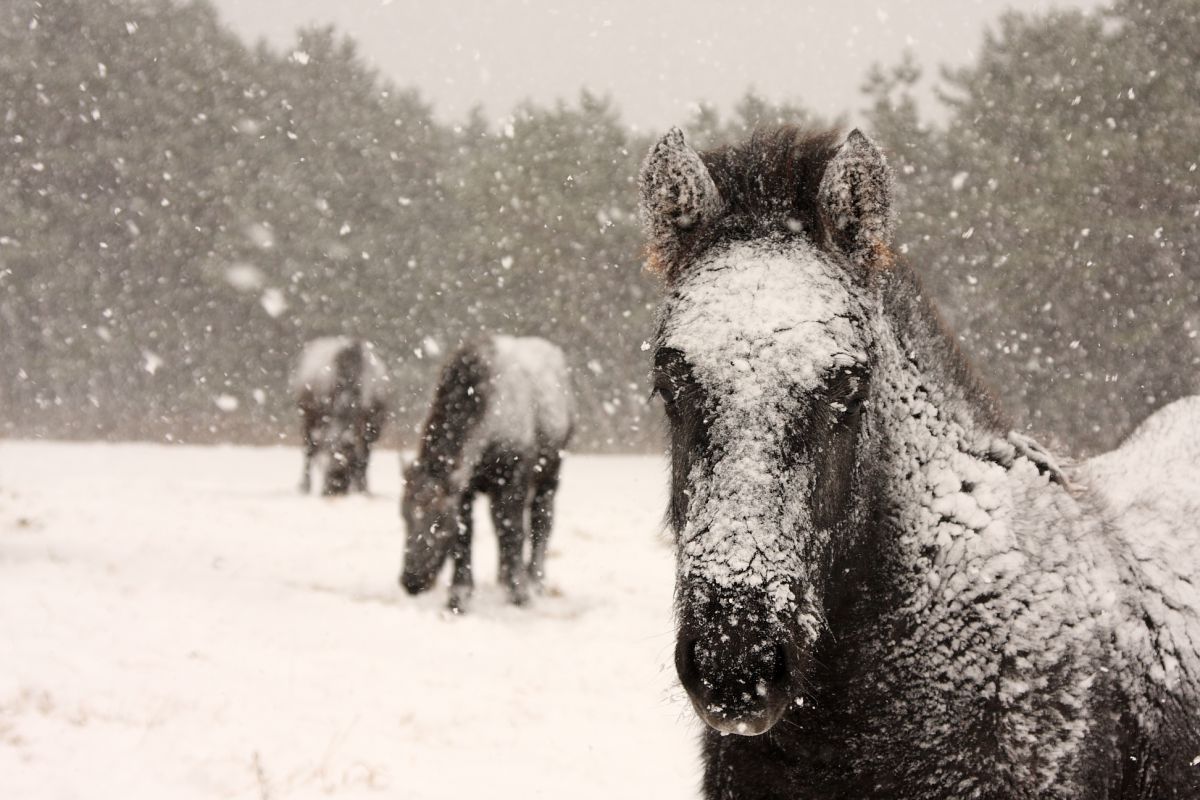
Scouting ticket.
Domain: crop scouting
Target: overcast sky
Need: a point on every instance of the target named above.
(656, 58)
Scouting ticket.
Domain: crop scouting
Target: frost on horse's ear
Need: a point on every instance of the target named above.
(677, 194)
(856, 198)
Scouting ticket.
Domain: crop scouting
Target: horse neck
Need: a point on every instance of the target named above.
(926, 352)
(450, 448)
(936, 433)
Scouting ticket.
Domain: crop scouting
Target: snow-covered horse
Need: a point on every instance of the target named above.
(342, 391)
(888, 592)
(501, 415)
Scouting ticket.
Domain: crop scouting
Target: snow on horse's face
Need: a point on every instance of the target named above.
(763, 360)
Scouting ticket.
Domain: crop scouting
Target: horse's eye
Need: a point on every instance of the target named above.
(854, 405)
(666, 392)
(848, 408)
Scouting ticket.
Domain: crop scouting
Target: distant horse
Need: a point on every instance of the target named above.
(342, 391)
(884, 589)
(501, 415)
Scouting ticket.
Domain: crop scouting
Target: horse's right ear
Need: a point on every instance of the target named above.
(856, 196)
(677, 193)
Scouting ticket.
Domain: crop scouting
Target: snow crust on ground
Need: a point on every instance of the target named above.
(177, 622)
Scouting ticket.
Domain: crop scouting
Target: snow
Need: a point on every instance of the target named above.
(760, 326)
(177, 622)
(315, 368)
(529, 373)
(1151, 482)
(1160, 459)
(273, 302)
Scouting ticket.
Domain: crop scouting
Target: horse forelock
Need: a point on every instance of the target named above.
(774, 171)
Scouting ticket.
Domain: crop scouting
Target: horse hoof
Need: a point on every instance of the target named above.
(458, 602)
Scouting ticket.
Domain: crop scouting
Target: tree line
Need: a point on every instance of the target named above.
(180, 211)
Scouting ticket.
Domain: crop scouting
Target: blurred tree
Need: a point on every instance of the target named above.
(181, 212)
(1055, 215)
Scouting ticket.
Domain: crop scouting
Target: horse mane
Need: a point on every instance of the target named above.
(908, 305)
(774, 173)
(457, 407)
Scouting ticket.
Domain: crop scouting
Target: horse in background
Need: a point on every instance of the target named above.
(501, 415)
(343, 393)
(882, 590)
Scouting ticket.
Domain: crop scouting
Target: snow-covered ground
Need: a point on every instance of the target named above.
(177, 622)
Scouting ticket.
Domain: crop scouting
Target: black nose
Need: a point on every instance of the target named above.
(336, 484)
(413, 584)
(737, 684)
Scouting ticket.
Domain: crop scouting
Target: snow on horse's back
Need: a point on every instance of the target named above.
(315, 369)
(1160, 459)
(531, 397)
(1152, 485)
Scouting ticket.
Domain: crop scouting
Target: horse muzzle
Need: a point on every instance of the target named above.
(740, 680)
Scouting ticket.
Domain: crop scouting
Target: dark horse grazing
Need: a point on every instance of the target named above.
(887, 592)
(501, 415)
(341, 389)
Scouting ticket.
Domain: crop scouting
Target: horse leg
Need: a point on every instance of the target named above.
(308, 424)
(508, 518)
(362, 458)
(371, 430)
(541, 518)
(463, 583)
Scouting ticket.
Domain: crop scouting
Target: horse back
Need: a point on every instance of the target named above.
(332, 362)
(497, 395)
(1151, 484)
(530, 405)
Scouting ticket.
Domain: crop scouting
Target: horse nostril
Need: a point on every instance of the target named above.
(685, 658)
(706, 668)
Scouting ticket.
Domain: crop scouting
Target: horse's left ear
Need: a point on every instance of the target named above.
(677, 194)
(856, 196)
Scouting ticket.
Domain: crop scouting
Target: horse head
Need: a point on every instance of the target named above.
(771, 252)
(430, 512)
(345, 439)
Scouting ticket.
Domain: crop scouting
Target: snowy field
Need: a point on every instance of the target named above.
(177, 622)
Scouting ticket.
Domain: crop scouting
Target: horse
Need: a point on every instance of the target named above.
(882, 590)
(501, 415)
(342, 392)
